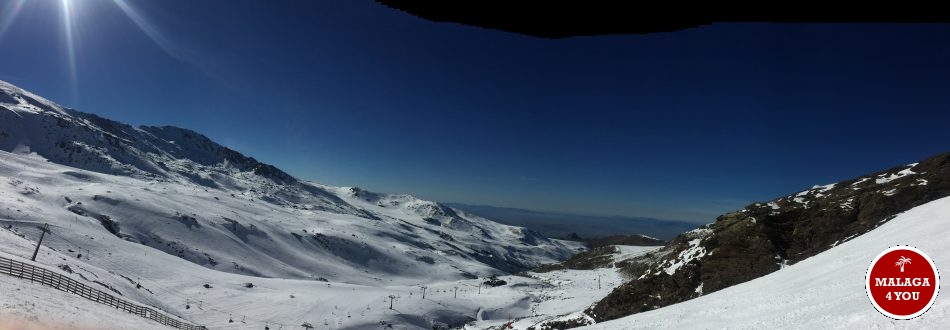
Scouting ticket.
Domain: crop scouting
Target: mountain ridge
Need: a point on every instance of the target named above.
(765, 237)
(178, 191)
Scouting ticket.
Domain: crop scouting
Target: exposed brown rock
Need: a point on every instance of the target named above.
(760, 239)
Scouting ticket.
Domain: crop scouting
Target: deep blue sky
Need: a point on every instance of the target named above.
(683, 125)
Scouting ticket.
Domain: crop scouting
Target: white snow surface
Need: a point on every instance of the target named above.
(364, 260)
(816, 190)
(847, 204)
(184, 211)
(821, 292)
(632, 251)
(25, 305)
(888, 177)
(556, 295)
(859, 181)
(412, 241)
(692, 252)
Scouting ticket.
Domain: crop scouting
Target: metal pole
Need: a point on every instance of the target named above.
(44, 229)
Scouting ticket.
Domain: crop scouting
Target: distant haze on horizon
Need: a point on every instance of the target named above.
(560, 225)
(684, 125)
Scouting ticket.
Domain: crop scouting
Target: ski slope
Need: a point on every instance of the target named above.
(166, 217)
(306, 281)
(171, 284)
(177, 286)
(28, 306)
(406, 241)
(177, 191)
(824, 291)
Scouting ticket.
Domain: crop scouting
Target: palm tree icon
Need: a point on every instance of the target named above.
(901, 262)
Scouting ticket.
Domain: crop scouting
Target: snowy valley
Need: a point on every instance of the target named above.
(165, 217)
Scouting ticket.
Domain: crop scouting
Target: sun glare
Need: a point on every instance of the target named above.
(148, 28)
(69, 36)
(71, 14)
(8, 14)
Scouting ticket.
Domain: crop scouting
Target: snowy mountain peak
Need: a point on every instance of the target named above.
(165, 153)
(13, 98)
(177, 191)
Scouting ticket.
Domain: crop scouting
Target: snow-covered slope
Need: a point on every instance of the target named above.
(821, 292)
(765, 237)
(171, 284)
(157, 213)
(176, 191)
(32, 306)
(214, 299)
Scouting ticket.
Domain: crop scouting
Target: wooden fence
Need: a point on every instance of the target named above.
(61, 282)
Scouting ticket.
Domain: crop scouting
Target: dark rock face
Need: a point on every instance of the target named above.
(560, 325)
(109, 224)
(763, 237)
(591, 259)
(494, 281)
(602, 255)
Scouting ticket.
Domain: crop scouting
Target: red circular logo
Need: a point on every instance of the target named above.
(902, 282)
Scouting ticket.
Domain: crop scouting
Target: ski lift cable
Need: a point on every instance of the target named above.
(67, 240)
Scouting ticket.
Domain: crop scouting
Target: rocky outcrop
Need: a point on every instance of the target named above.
(591, 259)
(764, 237)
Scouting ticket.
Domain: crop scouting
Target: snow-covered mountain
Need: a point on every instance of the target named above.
(766, 237)
(822, 292)
(165, 217)
(178, 192)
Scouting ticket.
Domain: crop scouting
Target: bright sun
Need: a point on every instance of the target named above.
(69, 12)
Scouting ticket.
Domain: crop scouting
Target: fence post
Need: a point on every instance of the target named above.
(68, 284)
